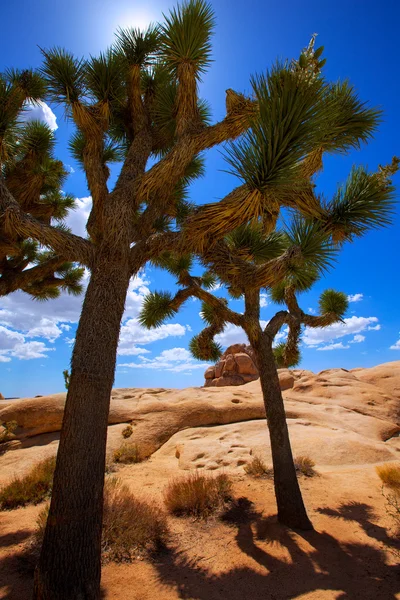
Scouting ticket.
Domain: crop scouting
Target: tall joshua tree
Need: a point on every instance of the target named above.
(34, 178)
(139, 102)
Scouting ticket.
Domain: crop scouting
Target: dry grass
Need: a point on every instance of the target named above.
(131, 527)
(257, 468)
(305, 465)
(127, 454)
(127, 432)
(30, 489)
(390, 476)
(197, 495)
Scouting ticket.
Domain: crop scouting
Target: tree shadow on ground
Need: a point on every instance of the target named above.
(351, 570)
(363, 514)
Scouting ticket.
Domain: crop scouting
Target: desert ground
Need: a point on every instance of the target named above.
(347, 422)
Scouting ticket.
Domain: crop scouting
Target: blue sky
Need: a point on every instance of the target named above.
(361, 44)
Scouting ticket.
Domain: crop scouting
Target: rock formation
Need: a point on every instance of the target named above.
(1, 396)
(337, 417)
(236, 366)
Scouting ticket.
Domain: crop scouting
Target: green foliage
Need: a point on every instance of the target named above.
(139, 48)
(186, 35)
(281, 359)
(103, 77)
(212, 351)
(366, 201)
(65, 76)
(209, 280)
(210, 314)
(268, 156)
(156, 309)
(334, 302)
(197, 495)
(66, 376)
(250, 242)
(317, 253)
(31, 488)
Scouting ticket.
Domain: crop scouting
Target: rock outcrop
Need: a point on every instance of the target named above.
(337, 417)
(236, 366)
(1, 396)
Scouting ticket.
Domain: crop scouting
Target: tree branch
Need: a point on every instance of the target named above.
(10, 282)
(70, 247)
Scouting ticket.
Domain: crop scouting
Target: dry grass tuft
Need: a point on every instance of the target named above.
(127, 432)
(305, 465)
(390, 476)
(127, 454)
(30, 489)
(197, 495)
(130, 526)
(257, 468)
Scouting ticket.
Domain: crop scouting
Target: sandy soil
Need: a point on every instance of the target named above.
(245, 554)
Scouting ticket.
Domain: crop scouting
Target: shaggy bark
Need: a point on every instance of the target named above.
(69, 567)
(291, 509)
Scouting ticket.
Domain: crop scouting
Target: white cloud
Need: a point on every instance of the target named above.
(14, 345)
(69, 341)
(132, 351)
(357, 339)
(40, 111)
(264, 300)
(65, 327)
(176, 360)
(312, 311)
(338, 346)
(232, 334)
(375, 328)
(30, 350)
(351, 326)
(395, 346)
(77, 218)
(133, 333)
(70, 169)
(355, 297)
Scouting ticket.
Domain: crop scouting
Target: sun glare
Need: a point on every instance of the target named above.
(140, 19)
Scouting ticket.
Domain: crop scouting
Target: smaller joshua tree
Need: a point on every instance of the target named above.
(34, 177)
(305, 251)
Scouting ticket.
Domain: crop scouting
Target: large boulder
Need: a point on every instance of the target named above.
(236, 366)
(1, 396)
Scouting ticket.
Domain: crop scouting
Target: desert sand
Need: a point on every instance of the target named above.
(346, 421)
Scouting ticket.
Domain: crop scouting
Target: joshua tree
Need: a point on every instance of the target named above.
(249, 244)
(138, 103)
(34, 177)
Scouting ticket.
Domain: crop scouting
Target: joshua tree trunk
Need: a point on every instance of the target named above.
(69, 566)
(291, 509)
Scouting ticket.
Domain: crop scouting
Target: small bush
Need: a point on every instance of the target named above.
(127, 453)
(257, 468)
(197, 495)
(130, 526)
(7, 433)
(127, 432)
(30, 489)
(305, 465)
(390, 476)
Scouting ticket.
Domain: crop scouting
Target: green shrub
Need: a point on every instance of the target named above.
(127, 432)
(257, 468)
(31, 488)
(305, 465)
(127, 453)
(197, 495)
(130, 526)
